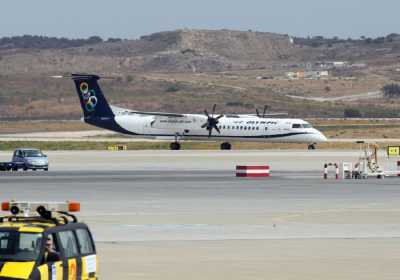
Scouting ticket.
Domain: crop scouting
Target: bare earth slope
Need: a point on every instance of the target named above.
(189, 70)
(182, 50)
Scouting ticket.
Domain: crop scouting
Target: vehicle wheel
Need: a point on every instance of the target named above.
(175, 146)
(226, 146)
(46, 169)
(34, 169)
(15, 169)
(25, 168)
(311, 147)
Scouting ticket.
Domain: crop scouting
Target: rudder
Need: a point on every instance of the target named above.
(93, 102)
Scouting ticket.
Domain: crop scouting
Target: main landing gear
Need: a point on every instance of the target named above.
(312, 146)
(226, 146)
(175, 146)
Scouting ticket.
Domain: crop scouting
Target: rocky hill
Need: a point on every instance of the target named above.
(181, 50)
(189, 70)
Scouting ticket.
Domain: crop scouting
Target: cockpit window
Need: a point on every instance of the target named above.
(301, 125)
(19, 246)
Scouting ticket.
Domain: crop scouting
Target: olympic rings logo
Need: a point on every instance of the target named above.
(88, 96)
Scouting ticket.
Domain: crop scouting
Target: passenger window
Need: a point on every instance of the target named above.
(296, 125)
(85, 242)
(68, 243)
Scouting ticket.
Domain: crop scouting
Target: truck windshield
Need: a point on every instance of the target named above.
(19, 246)
(32, 153)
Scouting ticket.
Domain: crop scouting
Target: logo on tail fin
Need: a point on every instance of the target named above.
(89, 98)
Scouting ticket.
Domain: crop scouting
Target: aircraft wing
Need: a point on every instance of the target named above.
(173, 115)
(265, 115)
(123, 111)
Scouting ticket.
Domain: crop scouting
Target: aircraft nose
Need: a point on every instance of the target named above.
(321, 137)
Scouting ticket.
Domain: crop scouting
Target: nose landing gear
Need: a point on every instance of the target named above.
(312, 146)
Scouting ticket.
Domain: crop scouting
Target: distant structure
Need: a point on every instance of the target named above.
(307, 75)
(331, 64)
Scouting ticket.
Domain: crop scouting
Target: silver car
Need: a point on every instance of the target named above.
(27, 158)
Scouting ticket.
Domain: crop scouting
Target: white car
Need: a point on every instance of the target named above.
(27, 158)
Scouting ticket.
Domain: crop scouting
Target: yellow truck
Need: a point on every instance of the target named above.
(44, 241)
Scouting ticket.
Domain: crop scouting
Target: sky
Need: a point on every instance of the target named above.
(132, 19)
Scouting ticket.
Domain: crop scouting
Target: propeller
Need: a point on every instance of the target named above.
(264, 111)
(211, 121)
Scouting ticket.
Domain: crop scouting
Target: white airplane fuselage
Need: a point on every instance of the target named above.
(232, 127)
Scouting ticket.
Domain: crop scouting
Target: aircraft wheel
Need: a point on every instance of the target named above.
(175, 146)
(311, 146)
(226, 146)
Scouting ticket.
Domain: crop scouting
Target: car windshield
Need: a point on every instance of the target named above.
(32, 153)
(19, 246)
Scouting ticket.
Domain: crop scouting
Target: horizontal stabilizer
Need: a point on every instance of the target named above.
(81, 76)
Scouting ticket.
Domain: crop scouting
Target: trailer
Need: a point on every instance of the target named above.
(8, 166)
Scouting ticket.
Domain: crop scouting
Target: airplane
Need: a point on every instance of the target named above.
(178, 127)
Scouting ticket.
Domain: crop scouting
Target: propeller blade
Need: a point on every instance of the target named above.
(209, 133)
(205, 112)
(217, 129)
(265, 110)
(213, 110)
(204, 125)
(220, 116)
(258, 113)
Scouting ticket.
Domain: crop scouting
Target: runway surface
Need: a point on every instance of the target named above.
(180, 215)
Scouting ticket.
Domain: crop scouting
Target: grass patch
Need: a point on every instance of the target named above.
(92, 145)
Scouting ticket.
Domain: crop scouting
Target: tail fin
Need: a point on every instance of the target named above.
(93, 102)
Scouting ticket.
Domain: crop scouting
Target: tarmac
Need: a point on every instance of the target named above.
(184, 214)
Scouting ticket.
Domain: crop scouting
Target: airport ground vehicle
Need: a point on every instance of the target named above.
(44, 241)
(8, 166)
(26, 158)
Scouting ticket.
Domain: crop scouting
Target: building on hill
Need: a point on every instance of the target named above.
(312, 75)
